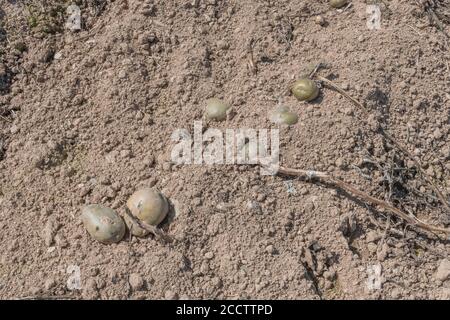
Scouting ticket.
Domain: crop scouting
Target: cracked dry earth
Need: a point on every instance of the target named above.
(87, 117)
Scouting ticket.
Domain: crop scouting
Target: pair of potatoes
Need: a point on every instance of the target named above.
(304, 90)
(106, 226)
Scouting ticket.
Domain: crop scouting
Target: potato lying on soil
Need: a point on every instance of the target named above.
(103, 223)
(216, 109)
(282, 115)
(148, 205)
(305, 89)
(338, 3)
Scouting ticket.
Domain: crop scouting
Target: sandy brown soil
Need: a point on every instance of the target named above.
(87, 118)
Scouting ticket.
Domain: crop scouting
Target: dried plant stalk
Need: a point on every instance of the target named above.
(330, 179)
(158, 233)
(394, 142)
(5, 119)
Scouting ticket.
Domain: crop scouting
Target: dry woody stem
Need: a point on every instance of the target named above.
(330, 179)
(158, 233)
(5, 119)
(394, 142)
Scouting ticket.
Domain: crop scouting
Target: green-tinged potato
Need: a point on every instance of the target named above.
(288, 118)
(338, 3)
(148, 206)
(216, 109)
(305, 90)
(283, 116)
(103, 223)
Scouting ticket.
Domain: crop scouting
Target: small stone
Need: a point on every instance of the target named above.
(328, 285)
(104, 181)
(222, 45)
(167, 166)
(209, 255)
(254, 206)
(149, 161)
(94, 272)
(372, 247)
(136, 282)
(395, 293)
(148, 11)
(35, 291)
(122, 74)
(445, 294)
(85, 190)
(320, 20)
(261, 197)
(204, 267)
(13, 246)
(197, 201)
(61, 241)
(443, 271)
(372, 236)
(383, 253)
(49, 284)
(14, 129)
(48, 233)
(216, 282)
(339, 163)
(47, 55)
(330, 275)
(90, 289)
(139, 115)
(51, 249)
(170, 295)
(125, 153)
(270, 249)
(46, 211)
(437, 134)
(58, 55)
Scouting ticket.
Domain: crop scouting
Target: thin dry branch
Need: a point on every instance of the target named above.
(158, 233)
(39, 297)
(330, 179)
(251, 65)
(432, 9)
(5, 119)
(394, 142)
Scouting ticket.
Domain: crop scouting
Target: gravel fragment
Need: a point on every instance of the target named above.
(136, 282)
(443, 271)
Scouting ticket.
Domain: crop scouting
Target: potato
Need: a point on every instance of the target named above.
(103, 223)
(305, 90)
(148, 205)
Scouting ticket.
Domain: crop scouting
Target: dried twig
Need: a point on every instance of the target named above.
(47, 298)
(394, 142)
(5, 119)
(437, 22)
(250, 59)
(386, 230)
(330, 179)
(431, 8)
(158, 233)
